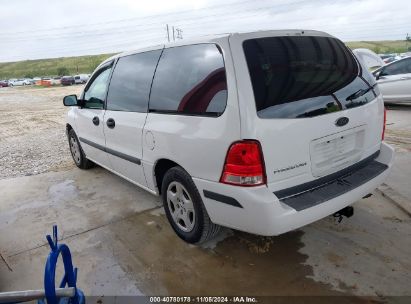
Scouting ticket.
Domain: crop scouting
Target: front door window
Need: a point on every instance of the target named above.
(95, 93)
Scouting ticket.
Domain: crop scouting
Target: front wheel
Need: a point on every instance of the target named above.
(185, 209)
(77, 152)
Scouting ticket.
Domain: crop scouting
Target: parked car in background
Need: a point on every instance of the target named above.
(37, 80)
(394, 80)
(207, 126)
(82, 78)
(45, 81)
(371, 60)
(67, 80)
(18, 82)
(390, 59)
(385, 56)
(4, 83)
(29, 80)
(55, 80)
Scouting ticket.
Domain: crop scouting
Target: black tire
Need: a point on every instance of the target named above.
(203, 229)
(79, 158)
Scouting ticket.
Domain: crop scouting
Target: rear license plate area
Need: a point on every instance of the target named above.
(337, 151)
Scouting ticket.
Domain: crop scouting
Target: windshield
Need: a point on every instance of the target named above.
(294, 77)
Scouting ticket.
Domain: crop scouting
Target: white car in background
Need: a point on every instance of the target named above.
(394, 80)
(371, 60)
(82, 78)
(18, 82)
(55, 80)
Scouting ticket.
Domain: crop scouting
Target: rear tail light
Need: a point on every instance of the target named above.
(244, 164)
(385, 122)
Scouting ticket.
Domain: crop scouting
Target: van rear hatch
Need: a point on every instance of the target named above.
(317, 111)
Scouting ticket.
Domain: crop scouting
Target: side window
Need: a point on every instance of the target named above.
(130, 84)
(96, 90)
(400, 67)
(190, 80)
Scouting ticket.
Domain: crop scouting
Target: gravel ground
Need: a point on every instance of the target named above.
(32, 130)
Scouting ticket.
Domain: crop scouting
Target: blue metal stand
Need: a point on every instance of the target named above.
(70, 274)
(67, 293)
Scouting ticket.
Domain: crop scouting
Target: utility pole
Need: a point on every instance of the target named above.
(168, 33)
(177, 33)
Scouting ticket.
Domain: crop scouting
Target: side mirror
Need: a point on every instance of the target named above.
(382, 73)
(377, 75)
(70, 100)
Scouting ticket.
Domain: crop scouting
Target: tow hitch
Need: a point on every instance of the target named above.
(347, 212)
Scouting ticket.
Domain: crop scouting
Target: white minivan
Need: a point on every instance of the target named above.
(262, 132)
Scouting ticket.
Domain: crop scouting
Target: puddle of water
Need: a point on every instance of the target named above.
(366, 255)
(237, 264)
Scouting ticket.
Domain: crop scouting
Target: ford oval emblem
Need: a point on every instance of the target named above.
(342, 121)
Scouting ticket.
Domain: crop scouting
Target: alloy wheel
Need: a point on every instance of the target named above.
(181, 206)
(75, 150)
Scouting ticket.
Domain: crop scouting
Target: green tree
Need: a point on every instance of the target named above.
(61, 71)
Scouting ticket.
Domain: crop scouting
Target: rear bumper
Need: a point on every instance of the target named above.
(257, 210)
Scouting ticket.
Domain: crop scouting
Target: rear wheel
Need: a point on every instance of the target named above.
(185, 209)
(77, 152)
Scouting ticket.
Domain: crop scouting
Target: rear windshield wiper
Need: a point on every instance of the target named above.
(359, 93)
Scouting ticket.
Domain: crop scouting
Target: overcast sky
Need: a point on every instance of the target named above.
(32, 29)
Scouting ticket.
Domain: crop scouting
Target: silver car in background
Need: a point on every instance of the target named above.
(394, 80)
(18, 82)
(81, 78)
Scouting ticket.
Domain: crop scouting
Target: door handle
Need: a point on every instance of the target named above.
(405, 78)
(96, 120)
(111, 123)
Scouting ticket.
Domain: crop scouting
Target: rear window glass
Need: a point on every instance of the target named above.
(190, 80)
(295, 77)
